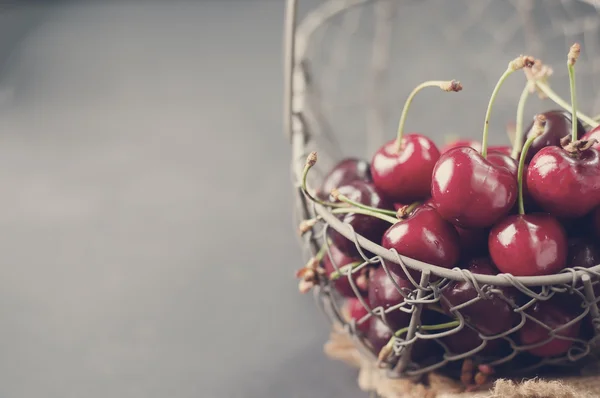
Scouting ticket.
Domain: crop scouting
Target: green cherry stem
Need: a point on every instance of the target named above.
(405, 211)
(356, 210)
(311, 160)
(544, 88)
(447, 325)
(517, 144)
(538, 128)
(344, 199)
(344, 270)
(572, 59)
(514, 65)
(448, 86)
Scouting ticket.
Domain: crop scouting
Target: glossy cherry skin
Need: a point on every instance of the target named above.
(346, 171)
(379, 334)
(369, 227)
(462, 142)
(564, 185)
(342, 285)
(553, 315)
(503, 149)
(470, 191)
(383, 293)
(490, 316)
(405, 176)
(423, 236)
(357, 311)
(558, 125)
(528, 245)
(593, 134)
(583, 252)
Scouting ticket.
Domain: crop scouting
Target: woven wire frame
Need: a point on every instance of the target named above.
(348, 66)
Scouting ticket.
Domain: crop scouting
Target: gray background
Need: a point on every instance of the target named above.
(147, 243)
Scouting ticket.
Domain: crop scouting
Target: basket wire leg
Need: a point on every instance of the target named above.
(591, 297)
(412, 327)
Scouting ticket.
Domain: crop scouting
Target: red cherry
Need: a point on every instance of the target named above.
(528, 245)
(383, 293)
(491, 315)
(343, 173)
(423, 236)
(379, 334)
(593, 134)
(552, 314)
(471, 191)
(404, 175)
(467, 340)
(369, 227)
(565, 184)
(342, 285)
(357, 311)
(458, 143)
(503, 149)
(558, 125)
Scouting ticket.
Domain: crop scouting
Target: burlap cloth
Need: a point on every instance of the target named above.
(370, 378)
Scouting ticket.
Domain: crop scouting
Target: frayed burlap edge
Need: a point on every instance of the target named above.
(370, 378)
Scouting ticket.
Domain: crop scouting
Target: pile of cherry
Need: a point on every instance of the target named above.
(532, 209)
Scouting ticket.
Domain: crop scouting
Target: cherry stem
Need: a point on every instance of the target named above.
(538, 128)
(311, 160)
(452, 85)
(517, 144)
(356, 210)
(563, 104)
(322, 251)
(572, 59)
(404, 211)
(440, 326)
(342, 198)
(516, 64)
(344, 270)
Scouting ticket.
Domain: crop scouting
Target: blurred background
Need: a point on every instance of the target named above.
(147, 243)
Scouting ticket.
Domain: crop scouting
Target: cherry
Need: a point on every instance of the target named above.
(341, 284)
(343, 173)
(467, 339)
(369, 227)
(460, 143)
(383, 293)
(379, 334)
(503, 149)
(532, 244)
(423, 236)
(593, 134)
(583, 252)
(566, 182)
(552, 314)
(469, 190)
(558, 125)
(402, 167)
(490, 315)
(356, 311)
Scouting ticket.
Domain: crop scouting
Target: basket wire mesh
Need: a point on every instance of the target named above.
(328, 108)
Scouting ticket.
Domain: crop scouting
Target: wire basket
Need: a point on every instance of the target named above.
(348, 67)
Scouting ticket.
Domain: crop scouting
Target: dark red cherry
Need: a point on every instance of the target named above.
(369, 227)
(593, 134)
(564, 184)
(558, 125)
(461, 142)
(404, 174)
(423, 236)
(467, 340)
(356, 311)
(473, 242)
(379, 334)
(554, 315)
(471, 191)
(583, 252)
(490, 315)
(346, 171)
(383, 293)
(342, 285)
(528, 245)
